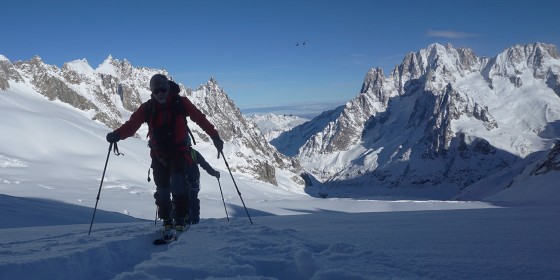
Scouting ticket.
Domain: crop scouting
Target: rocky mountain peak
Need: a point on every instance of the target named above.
(7, 73)
(212, 85)
(429, 70)
(261, 159)
(437, 63)
(551, 161)
(81, 65)
(443, 116)
(34, 65)
(36, 59)
(374, 79)
(117, 86)
(535, 54)
(76, 70)
(108, 60)
(521, 62)
(108, 66)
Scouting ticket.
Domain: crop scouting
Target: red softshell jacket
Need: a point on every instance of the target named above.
(139, 116)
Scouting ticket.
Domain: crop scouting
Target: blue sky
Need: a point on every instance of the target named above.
(249, 46)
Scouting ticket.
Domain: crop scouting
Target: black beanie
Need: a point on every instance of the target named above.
(158, 81)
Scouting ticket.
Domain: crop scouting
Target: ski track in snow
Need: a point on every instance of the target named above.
(71, 254)
(496, 243)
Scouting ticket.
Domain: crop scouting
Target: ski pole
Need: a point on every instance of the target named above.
(155, 220)
(227, 216)
(234, 183)
(99, 192)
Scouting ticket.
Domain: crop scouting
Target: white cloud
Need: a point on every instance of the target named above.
(450, 34)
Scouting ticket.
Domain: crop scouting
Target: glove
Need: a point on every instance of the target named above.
(113, 137)
(216, 174)
(219, 144)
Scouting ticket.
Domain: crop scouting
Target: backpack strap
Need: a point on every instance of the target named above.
(191, 135)
(150, 112)
(178, 107)
(179, 110)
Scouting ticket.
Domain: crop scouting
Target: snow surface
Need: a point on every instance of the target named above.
(506, 105)
(491, 243)
(51, 161)
(272, 125)
(81, 66)
(106, 67)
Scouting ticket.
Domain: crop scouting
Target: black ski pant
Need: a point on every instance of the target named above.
(170, 181)
(193, 186)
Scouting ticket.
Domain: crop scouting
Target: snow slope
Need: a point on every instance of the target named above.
(272, 125)
(490, 243)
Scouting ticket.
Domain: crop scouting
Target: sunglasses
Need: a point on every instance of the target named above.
(159, 90)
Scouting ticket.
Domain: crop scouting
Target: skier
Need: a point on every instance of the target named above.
(165, 114)
(193, 183)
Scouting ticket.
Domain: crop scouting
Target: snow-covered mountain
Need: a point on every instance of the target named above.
(534, 179)
(443, 117)
(51, 159)
(112, 91)
(272, 125)
(247, 148)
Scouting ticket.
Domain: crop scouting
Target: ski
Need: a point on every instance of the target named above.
(161, 241)
(176, 234)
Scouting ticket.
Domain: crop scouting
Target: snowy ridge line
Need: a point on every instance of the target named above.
(443, 117)
(108, 95)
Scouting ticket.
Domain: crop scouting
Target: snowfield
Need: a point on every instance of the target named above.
(272, 125)
(485, 243)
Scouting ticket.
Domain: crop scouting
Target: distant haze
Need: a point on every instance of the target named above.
(304, 110)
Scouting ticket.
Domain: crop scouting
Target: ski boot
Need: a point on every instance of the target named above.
(168, 232)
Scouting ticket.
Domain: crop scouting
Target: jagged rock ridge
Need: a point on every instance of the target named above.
(442, 117)
(116, 88)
